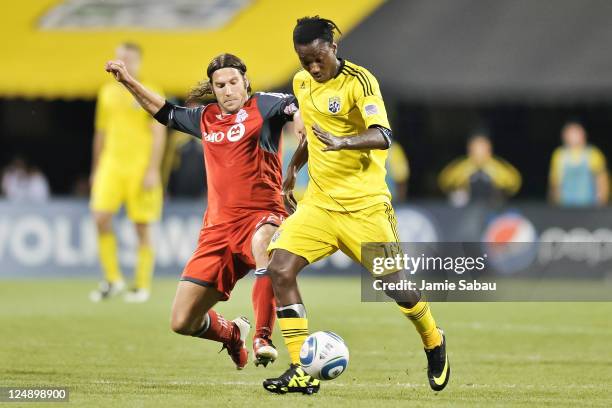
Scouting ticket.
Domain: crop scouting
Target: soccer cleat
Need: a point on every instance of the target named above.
(264, 351)
(106, 290)
(438, 365)
(236, 347)
(135, 295)
(293, 380)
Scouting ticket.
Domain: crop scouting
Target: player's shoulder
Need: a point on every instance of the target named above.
(350, 67)
(301, 75)
(360, 78)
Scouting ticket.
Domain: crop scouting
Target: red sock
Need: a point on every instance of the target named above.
(264, 305)
(218, 329)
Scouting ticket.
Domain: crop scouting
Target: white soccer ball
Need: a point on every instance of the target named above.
(324, 355)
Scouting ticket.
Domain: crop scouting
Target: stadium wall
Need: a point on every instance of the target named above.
(58, 239)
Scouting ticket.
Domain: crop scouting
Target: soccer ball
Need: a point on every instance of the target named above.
(324, 355)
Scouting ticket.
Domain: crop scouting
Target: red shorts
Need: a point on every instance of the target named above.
(224, 252)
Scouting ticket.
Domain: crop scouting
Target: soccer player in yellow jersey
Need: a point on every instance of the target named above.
(127, 151)
(346, 202)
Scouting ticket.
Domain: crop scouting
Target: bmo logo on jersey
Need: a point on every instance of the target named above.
(233, 134)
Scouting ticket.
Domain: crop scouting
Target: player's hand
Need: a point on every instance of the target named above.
(151, 179)
(118, 69)
(287, 191)
(298, 126)
(332, 143)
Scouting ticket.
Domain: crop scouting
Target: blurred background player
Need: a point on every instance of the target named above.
(578, 175)
(398, 173)
(127, 150)
(23, 182)
(241, 139)
(347, 201)
(479, 177)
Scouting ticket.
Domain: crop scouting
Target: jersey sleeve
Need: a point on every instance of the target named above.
(186, 120)
(272, 104)
(597, 160)
(368, 99)
(101, 118)
(554, 174)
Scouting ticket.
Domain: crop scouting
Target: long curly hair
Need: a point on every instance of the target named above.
(203, 90)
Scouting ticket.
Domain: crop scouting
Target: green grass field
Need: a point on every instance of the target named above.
(120, 355)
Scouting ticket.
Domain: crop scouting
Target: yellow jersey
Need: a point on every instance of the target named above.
(346, 105)
(458, 173)
(128, 138)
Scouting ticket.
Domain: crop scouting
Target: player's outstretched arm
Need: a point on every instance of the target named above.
(372, 138)
(149, 100)
(298, 160)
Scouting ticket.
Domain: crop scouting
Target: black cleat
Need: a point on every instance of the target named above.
(293, 380)
(438, 365)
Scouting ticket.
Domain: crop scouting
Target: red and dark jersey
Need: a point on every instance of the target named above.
(241, 153)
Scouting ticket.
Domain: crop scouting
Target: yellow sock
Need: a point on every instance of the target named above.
(423, 321)
(295, 331)
(144, 267)
(107, 249)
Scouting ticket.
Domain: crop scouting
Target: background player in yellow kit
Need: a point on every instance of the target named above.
(127, 151)
(347, 201)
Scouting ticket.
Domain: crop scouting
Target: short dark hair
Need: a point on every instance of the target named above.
(574, 120)
(480, 133)
(309, 29)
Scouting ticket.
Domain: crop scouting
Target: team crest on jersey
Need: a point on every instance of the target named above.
(303, 86)
(334, 104)
(241, 116)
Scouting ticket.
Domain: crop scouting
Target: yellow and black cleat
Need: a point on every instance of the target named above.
(438, 365)
(293, 380)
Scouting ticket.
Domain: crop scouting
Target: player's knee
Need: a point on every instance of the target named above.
(144, 234)
(281, 275)
(104, 222)
(182, 324)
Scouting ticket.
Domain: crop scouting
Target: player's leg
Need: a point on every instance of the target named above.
(106, 198)
(192, 315)
(284, 267)
(143, 208)
(145, 263)
(303, 238)
(262, 297)
(378, 224)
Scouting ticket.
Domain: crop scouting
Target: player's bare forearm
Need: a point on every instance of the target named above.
(159, 143)
(372, 138)
(149, 100)
(603, 188)
(300, 156)
(152, 176)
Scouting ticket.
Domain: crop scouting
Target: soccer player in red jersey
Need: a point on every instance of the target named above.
(241, 139)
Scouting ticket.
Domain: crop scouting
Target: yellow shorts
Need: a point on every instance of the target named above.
(313, 232)
(113, 187)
